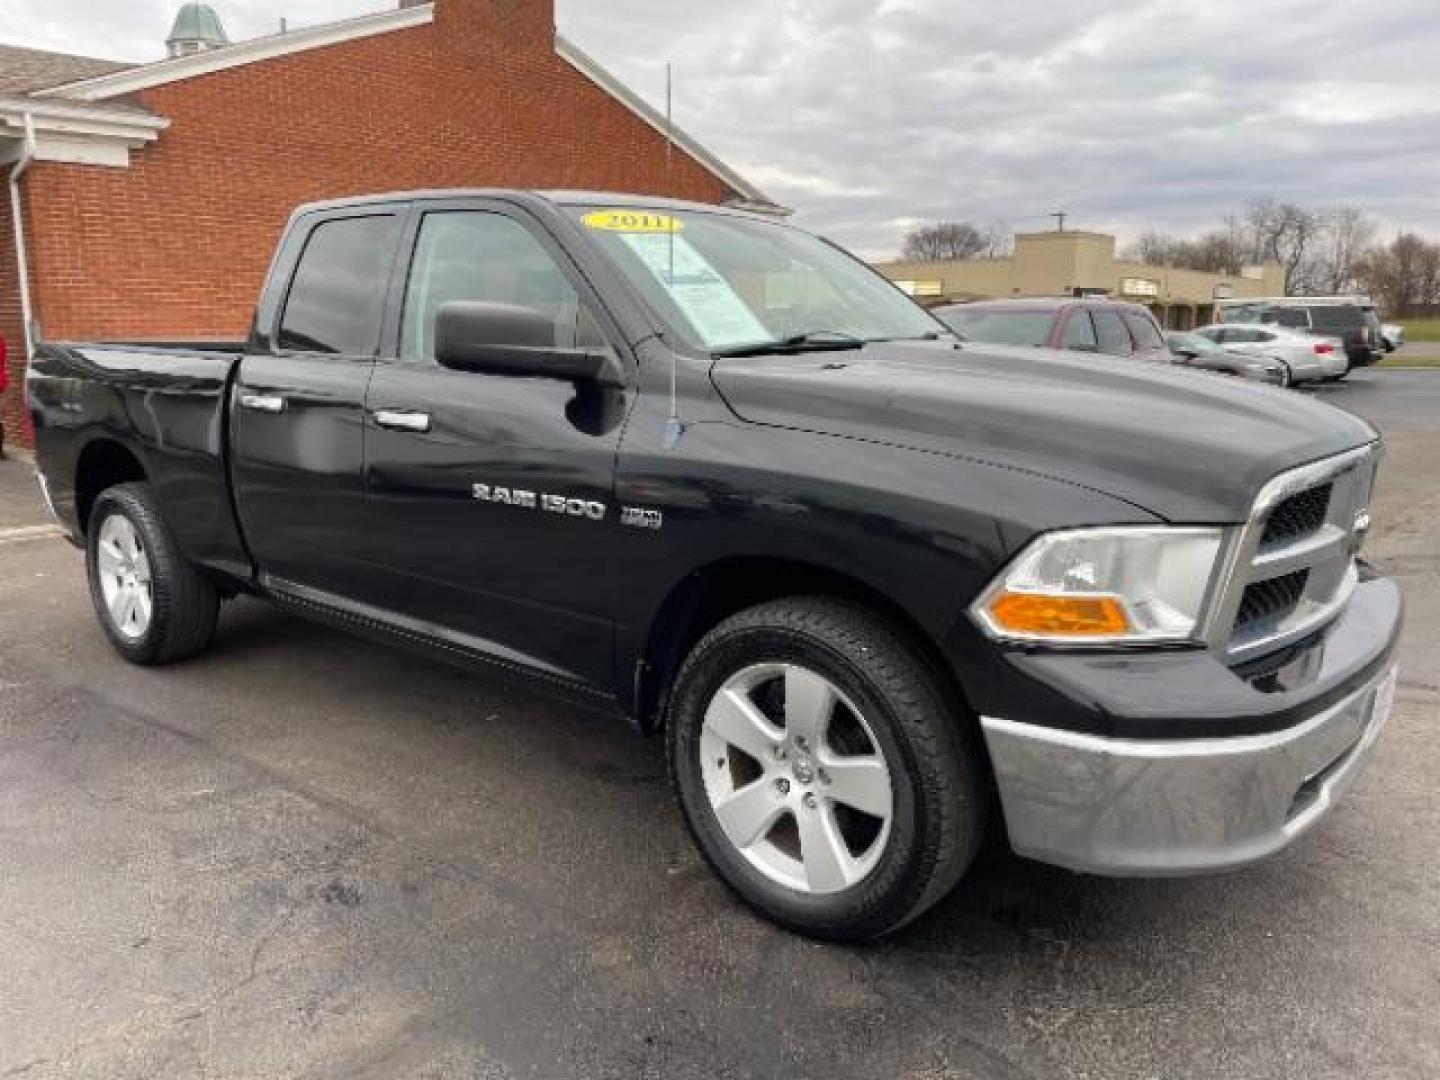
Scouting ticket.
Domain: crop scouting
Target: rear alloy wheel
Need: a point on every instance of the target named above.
(1287, 377)
(826, 772)
(154, 604)
(125, 582)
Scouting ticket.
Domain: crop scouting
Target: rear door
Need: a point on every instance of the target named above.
(491, 516)
(298, 408)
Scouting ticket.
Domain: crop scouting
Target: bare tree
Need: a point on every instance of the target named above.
(999, 240)
(1348, 234)
(1155, 248)
(945, 241)
(1214, 253)
(1404, 275)
(1286, 234)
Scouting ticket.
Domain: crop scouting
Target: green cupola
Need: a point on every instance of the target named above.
(196, 29)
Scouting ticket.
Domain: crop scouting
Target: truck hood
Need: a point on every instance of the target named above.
(1187, 446)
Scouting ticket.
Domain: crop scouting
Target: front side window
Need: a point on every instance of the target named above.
(1114, 338)
(338, 291)
(724, 281)
(482, 256)
(1243, 313)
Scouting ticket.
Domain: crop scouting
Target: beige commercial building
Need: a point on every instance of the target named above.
(1083, 263)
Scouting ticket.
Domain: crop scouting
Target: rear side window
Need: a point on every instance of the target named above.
(1079, 333)
(1114, 338)
(338, 291)
(1295, 319)
(1144, 331)
(1337, 318)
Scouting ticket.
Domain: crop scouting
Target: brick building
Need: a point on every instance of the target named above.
(148, 198)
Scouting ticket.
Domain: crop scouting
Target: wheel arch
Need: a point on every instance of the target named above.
(712, 593)
(103, 463)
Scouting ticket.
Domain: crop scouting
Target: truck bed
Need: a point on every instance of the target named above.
(166, 406)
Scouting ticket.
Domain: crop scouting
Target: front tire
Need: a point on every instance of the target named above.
(155, 606)
(825, 771)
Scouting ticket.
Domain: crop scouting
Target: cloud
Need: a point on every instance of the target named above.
(868, 115)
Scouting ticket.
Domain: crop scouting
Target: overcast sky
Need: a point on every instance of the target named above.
(871, 115)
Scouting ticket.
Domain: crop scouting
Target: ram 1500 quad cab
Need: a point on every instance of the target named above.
(701, 468)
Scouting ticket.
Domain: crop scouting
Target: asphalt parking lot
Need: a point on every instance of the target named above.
(305, 855)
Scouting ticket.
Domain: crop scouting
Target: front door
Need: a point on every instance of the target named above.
(298, 415)
(490, 512)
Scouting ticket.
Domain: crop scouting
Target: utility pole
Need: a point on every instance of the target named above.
(1059, 216)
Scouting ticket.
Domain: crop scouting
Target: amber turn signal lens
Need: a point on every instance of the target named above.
(1059, 616)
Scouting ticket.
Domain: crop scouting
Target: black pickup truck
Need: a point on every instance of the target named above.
(694, 466)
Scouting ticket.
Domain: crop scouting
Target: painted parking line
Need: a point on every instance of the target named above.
(30, 532)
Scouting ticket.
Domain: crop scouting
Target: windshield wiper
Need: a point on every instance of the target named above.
(929, 335)
(810, 341)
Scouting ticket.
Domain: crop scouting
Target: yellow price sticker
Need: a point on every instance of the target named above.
(633, 221)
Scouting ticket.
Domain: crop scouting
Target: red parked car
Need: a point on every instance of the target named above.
(1083, 324)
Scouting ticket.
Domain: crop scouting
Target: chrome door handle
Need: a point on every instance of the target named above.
(262, 403)
(396, 420)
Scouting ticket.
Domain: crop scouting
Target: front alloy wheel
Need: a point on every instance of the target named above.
(828, 773)
(796, 778)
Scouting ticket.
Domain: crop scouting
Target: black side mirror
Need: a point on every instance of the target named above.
(507, 339)
(1185, 354)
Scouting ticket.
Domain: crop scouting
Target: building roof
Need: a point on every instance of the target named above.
(23, 71)
(105, 80)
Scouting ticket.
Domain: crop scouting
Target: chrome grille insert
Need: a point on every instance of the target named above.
(1270, 601)
(1291, 568)
(1299, 516)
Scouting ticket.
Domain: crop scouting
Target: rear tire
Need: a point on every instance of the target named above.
(826, 773)
(154, 604)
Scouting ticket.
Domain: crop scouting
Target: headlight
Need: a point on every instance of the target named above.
(1117, 585)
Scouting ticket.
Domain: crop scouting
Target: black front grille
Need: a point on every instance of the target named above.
(1297, 517)
(1267, 602)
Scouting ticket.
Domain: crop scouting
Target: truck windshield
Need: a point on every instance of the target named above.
(727, 283)
(1002, 327)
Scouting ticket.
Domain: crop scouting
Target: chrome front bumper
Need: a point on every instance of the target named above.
(1148, 807)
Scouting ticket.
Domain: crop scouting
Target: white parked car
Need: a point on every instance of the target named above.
(1309, 358)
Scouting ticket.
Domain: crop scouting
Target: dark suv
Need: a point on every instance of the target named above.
(1081, 324)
